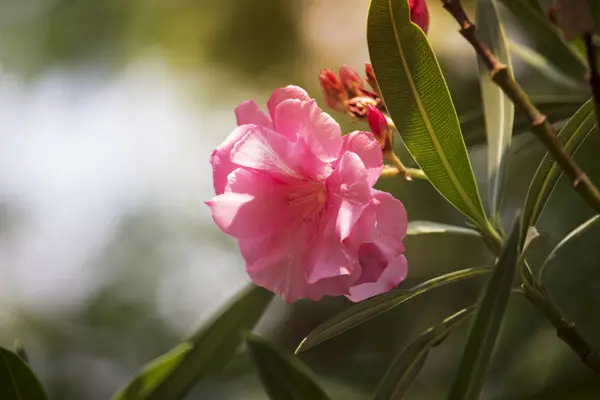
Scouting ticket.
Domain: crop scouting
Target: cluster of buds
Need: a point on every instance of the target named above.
(346, 92)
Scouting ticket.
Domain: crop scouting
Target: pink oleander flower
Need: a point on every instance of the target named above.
(419, 14)
(298, 198)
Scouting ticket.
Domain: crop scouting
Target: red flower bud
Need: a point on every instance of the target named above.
(380, 128)
(352, 81)
(333, 89)
(419, 14)
(371, 78)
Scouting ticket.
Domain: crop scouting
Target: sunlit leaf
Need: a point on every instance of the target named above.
(548, 173)
(405, 368)
(547, 39)
(416, 228)
(418, 100)
(499, 110)
(17, 380)
(375, 306)
(283, 375)
(488, 318)
(171, 376)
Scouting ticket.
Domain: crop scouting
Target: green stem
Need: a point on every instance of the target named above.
(409, 173)
(565, 328)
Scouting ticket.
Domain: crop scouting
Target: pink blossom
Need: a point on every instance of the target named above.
(419, 14)
(298, 198)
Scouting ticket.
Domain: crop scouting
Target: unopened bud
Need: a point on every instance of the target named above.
(352, 81)
(333, 89)
(419, 14)
(371, 78)
(380, 128)
(357, 106)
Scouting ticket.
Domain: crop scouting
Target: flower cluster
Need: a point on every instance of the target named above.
(298, 198)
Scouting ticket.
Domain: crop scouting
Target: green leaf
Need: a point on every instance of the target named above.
(571, 236)
(488, 318)
(153, 373)
(547, 39)
(211, 348)
(283, 375)
(417, 228)
(17, 380)
(405, 368)
(418, 100)
(548, 173)
(375, 306)
(499, 110)
(555, 107)
(541, 64)
(535, 4)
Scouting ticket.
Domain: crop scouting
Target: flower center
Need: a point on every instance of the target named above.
(307, 199)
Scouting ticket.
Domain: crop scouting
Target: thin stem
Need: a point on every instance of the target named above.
(594, 76)
(540, 126)
(565, 329)
(409, 173)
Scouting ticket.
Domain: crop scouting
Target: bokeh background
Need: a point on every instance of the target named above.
(108, 256)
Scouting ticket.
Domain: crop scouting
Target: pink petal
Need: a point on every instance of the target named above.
(368, 149)
(389, 279)
(265, 150)
(383, 224)
(273, 153)
(372, 261)
(349, 182)
(220, 158)
(248, 112)
(327, 258)
(253, 204)
(392, 221)
(281, 94)
(305, 121)
(275, 262)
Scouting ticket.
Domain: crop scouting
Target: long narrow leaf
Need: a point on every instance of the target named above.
(542, 65)
(172, 376)
(416, 228)
(574, 234)
(375, 306)
(548, 173)
(17, 380)
(153, 373)
(547, 39)
(284, 376)
(405, 368)
(416, 95)
(488, 318)
(499, 110)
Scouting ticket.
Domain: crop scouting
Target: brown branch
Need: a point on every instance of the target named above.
(540, 126)
(565, 329)
(593, 75)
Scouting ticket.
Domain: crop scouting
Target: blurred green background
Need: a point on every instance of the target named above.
(108, 113)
